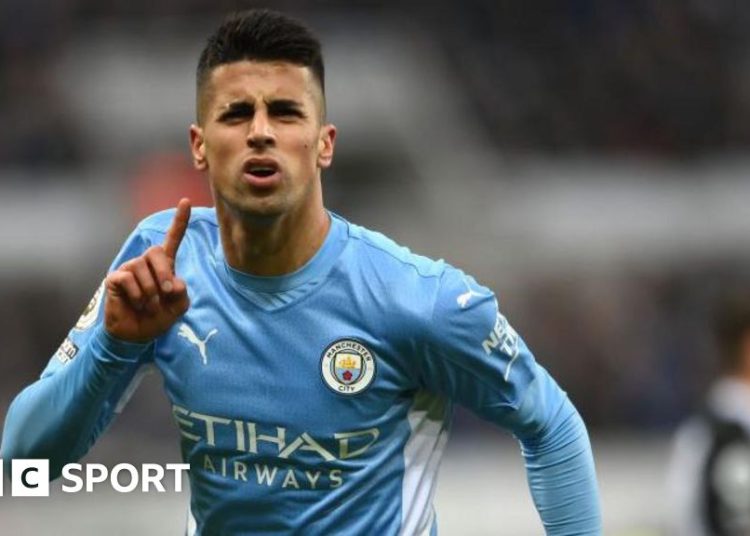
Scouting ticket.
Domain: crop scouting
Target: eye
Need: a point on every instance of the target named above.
(233, 116)
(289, 113)
(285, 111)
(237, 113)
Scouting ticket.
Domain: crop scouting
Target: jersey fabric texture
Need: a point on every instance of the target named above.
(317, 402)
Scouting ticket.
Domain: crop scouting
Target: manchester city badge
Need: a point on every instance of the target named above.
(347, 367)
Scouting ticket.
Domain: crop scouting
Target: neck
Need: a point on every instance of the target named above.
(271, 246)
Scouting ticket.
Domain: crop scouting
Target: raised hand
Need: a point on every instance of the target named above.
(144, 297)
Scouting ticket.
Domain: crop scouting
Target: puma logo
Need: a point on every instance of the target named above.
(190, 335)
(463, 299)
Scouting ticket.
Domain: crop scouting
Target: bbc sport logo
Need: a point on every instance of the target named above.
(30, 478)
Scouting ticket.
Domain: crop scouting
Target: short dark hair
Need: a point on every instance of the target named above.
(732, 327)
(261, 35)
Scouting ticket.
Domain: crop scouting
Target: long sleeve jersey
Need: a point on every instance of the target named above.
(317, 402)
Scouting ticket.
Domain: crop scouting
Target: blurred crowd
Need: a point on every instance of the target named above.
(635, 351)
(667, 78)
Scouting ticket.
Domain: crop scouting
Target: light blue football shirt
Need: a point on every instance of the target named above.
(317, 402)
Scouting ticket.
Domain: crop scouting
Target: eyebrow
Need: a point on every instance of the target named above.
(284, 103)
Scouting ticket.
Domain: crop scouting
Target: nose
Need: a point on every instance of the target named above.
(260, 135)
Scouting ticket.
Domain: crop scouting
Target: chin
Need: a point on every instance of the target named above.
(257, 210)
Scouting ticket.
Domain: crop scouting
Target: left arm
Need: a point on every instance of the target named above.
(559, 464)
(473, 355)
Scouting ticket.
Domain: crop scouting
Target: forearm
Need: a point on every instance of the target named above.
(561, 475)
(59, 416)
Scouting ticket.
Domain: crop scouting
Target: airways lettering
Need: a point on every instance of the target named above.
(283, 476)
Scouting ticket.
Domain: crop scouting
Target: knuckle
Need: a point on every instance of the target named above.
(158, 260)
(145, 280)
(125, 266)
(154, 251)
(117, 277)
(140, 262)
(133, 265)
(149, 287)
(162, 269)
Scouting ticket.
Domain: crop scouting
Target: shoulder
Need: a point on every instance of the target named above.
(202, 233)
(389, 278)
(424, 287)
(397, 266)
(201, 219)
(382, 251)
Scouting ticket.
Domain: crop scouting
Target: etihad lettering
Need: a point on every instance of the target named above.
(248, 437)
(343, 439)
(305, 442)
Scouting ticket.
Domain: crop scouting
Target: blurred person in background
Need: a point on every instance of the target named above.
(709, 473)
(313, 364)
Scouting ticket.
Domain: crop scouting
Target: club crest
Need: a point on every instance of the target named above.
(347, 367)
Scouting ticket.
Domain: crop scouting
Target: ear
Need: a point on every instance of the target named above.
(326, 143)
(198, 148)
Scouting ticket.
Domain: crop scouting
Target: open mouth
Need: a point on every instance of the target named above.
(261, 169)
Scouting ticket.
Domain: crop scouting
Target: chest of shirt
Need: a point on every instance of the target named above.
(321, 366)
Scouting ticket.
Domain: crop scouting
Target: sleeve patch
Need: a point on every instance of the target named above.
(502, 336)
(91, 312)
(505, 339)
(67, 351)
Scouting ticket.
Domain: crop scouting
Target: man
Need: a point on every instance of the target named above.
(709, 473)
(311, 363)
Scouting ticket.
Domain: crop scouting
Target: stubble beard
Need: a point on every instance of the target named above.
(257, 212)
(263, 210)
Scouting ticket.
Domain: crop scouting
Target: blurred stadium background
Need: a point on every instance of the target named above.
(588, 159)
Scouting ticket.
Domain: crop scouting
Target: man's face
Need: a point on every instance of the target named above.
(261, 137)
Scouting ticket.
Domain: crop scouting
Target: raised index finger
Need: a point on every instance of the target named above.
(177, 229)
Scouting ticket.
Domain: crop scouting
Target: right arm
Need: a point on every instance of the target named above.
(60, 416)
